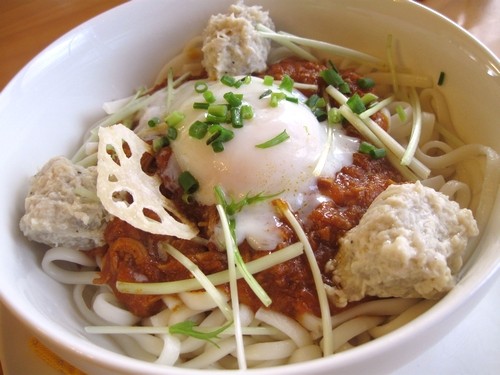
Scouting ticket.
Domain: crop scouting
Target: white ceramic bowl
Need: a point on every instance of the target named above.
(48, 106)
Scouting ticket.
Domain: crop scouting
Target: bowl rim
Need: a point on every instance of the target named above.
(101, 356)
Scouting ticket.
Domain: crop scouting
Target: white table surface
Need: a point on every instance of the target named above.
(471, 348)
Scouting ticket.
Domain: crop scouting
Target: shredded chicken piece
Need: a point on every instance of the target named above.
(231, 44)
(409, 243)
(62, 208)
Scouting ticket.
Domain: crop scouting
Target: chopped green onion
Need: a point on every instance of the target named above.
(276, 97)
(316, 104)
(369, 149)
(172, 133)
(246, 112)
(199, 105)
(215, 119)
(217, 113)
(244, 80)
(368, 98)
(365, 147)
(188, 183)
(236, 119)
(228, 80)
(292, 99)
(220, 135)
(378, 153)
(282, 137)
(334, 116)
(312, 101)
(356, 104)
(232, 99)
(174, 118)
(344, 88)
(198, 129)
(441, 78)
(217, 146)
(233, 82)
(200, 87)
(187, 198)
(268, 80)
(159, 143)
(265, 93)
(320, 114)
(153, 122)
(365, 83)
(333, 78)
(217, 110)
(286, 83)
(209, 96)
(375, 106)
(225, 135)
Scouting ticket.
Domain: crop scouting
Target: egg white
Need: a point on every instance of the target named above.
(243, 169)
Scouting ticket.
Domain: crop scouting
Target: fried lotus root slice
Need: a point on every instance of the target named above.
(130, 194)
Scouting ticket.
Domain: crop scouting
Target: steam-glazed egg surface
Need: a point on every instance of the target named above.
(242, 168)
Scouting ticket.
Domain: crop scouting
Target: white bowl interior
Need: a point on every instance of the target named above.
(46, 109)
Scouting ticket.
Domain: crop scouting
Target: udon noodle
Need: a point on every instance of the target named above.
(203, 324)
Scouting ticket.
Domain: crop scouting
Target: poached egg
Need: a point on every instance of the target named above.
(242, 169)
